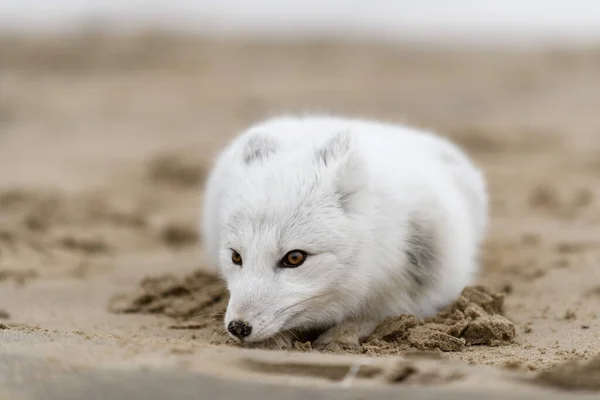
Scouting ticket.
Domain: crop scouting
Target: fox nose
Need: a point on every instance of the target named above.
(239, 329)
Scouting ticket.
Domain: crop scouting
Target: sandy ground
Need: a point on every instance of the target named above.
(104, 145)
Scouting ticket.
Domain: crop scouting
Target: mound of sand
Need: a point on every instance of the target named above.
(189, 299)
(198, 301)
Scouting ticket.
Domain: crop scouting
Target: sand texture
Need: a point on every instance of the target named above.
(105, 144)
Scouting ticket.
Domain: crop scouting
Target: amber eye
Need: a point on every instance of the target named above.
(293, 259)
(236, 258)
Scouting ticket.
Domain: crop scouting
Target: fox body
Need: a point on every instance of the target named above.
(333, 224)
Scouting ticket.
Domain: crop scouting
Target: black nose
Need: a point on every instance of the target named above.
(239, 329)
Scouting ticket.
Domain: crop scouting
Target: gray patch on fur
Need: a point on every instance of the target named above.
(259, 148)
(348, 199)
(422, 253)
(345, 200)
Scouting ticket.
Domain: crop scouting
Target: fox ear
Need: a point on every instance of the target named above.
(340, 154)
(334, 150)
(259, 148)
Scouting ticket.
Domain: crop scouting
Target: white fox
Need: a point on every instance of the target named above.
(333, 224)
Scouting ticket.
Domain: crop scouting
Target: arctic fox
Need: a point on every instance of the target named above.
(333, 224)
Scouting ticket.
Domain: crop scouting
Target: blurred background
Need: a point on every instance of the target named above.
(438, 20)
(111, 112)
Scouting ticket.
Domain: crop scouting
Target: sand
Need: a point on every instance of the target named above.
(105, 144)
(199, 301)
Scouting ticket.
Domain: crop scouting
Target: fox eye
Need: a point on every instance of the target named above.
(293, 259)
(236, 258)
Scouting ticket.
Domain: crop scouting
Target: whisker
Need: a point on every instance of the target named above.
(212, 313)
(279, 312)
(291, 332)
(278, 343)
(219, 331)
(215, 315)
(283, 341)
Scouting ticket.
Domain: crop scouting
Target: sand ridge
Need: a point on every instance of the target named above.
(199, 300)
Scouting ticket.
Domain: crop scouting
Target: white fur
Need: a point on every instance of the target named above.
(289, 198)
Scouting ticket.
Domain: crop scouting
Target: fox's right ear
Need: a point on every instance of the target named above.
(259, 148)
(340, 154)
(334, 150)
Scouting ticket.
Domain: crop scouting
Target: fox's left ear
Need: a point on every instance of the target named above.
(341, 156)
(258, 148)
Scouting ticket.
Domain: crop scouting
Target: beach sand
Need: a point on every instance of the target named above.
(105, 143)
